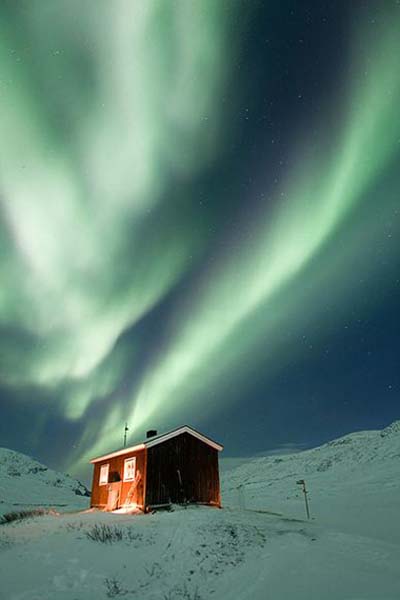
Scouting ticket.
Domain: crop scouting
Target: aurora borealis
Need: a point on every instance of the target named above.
(199, 221)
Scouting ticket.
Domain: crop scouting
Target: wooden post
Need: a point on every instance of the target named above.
(144, 480)
(305, 492)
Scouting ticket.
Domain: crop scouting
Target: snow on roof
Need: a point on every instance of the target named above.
(158, 439)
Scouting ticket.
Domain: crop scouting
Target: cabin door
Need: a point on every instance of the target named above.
(114, 490)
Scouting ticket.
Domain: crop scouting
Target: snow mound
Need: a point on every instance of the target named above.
(25, 482)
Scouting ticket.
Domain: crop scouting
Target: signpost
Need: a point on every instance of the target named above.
(305, 492)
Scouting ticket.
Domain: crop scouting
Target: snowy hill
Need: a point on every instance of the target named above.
(259, 546)
(24, 482)
(344, 455)
(361, 469)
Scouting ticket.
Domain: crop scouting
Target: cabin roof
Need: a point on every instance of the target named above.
(158, 439)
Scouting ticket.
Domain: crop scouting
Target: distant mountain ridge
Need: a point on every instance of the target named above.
(359, 445)
(27, 482)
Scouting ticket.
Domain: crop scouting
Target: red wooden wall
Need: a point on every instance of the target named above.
(100, 492)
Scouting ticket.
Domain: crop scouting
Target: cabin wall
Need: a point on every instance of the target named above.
(197, 463)
(116, 470)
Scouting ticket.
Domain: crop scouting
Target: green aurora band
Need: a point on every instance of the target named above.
(88, 111)
(78, 202)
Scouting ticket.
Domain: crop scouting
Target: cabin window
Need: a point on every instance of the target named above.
(103, 480)
(129, 469)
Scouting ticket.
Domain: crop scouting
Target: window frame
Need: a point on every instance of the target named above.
(129, 460)
(102, 467)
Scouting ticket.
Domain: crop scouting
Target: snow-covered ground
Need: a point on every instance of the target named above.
(350, 550)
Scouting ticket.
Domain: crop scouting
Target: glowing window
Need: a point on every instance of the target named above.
(129, 469)
(104, 474)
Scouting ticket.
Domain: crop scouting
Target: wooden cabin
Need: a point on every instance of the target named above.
(180, 466)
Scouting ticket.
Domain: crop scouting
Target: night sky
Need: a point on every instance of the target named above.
(199, 222)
